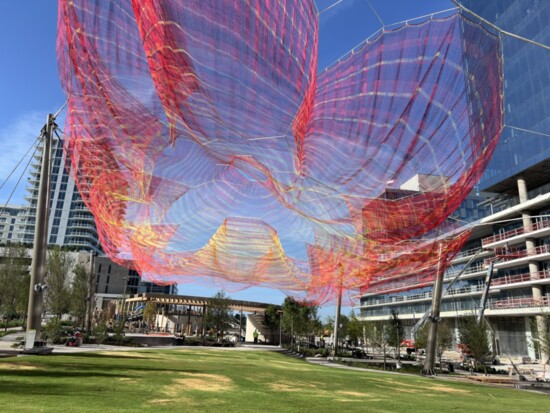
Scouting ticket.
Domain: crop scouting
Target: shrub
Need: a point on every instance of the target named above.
(101, 332)
(53, 332)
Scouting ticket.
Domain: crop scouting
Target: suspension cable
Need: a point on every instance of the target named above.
(21, 160)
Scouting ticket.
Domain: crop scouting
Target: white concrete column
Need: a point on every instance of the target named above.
(529, 339)
(522, 190)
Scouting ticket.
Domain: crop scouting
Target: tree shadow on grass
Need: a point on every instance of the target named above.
(58, 374)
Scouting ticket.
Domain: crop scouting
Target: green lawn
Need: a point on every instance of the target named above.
(207, 380)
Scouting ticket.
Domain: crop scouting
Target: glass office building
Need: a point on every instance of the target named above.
(515, 234)
(524, 146)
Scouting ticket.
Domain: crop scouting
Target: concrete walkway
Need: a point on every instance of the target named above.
(7, 349)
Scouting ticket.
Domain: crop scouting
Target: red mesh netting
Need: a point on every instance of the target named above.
(208, 147)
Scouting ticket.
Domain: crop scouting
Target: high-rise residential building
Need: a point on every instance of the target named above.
(515, 234)
(70, 224)
(10, 217)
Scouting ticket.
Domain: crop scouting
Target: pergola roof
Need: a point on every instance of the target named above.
(238, 305)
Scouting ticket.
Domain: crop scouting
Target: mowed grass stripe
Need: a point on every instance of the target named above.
(209, 380)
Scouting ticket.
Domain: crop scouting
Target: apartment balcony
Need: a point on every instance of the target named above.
(515, 303)
(511, 281)
(83, 217)
(464, 256)
(395, 286)
(514, 280)
(426, 296)
(471, 272)
(513, 257)
(382, 288)
(540, 228)
(83, 225)
(85, 237)
(85, 245)
(30, 197)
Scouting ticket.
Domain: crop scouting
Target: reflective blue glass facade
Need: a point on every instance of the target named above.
(526, 85)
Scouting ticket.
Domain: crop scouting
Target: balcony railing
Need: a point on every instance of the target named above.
(467, 253)
(518, 303)
(519, 278)
(502, 236)
(542, 249)
(513, 253)
(541, 224)
(471, 270)
(508, 254)
(395, 286)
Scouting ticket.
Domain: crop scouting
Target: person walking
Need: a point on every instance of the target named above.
(256, 334)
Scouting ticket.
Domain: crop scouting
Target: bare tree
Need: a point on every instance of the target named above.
(382, 336)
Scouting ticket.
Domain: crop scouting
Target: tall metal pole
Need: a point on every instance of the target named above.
(429, 363)
(123, 315)
(38, 267)
(90, 293)
(280, 328)
(338, 308)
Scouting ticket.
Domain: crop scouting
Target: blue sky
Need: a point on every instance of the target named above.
(30, 87)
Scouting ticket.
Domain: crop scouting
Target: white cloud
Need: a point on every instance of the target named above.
(15, 139)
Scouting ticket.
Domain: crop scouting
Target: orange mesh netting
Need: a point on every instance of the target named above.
(208, 146)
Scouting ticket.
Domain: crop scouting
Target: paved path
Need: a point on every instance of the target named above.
(7, 342)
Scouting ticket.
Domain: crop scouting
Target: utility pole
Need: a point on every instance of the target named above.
(429, 363)
(38, 267)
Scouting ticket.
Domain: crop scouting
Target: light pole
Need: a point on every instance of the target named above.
(338, 308)
(398, 341)
(90, 293)
(292, 329)
(124, 301)
(280, 328)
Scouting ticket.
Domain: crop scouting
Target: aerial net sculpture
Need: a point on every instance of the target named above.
(210, 148)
